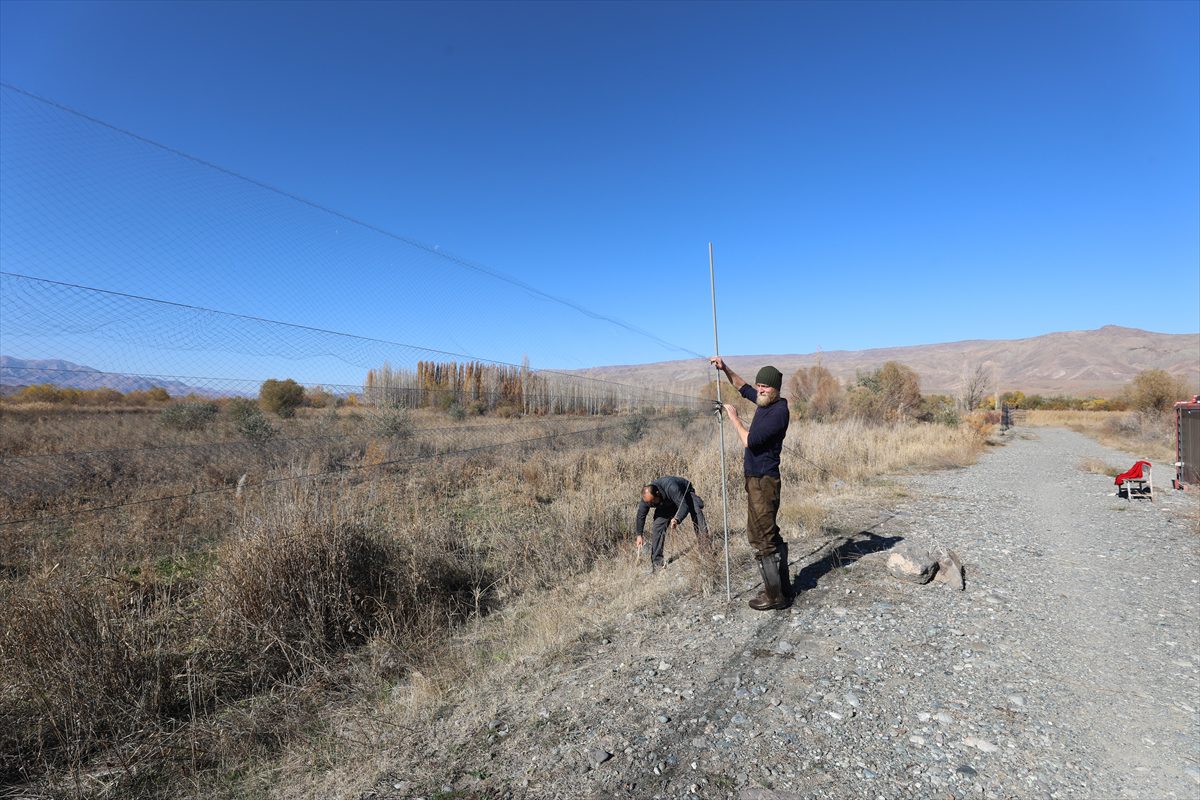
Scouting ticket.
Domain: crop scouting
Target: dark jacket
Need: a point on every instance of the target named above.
(765, 442)
(676, 501)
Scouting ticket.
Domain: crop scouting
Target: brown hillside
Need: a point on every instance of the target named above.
(1082, 363)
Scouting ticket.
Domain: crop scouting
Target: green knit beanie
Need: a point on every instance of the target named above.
(769, 376)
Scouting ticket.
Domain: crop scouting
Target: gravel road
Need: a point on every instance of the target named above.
(1069, 668)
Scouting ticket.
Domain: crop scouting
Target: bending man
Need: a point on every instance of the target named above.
(672, 499)
(763, 441)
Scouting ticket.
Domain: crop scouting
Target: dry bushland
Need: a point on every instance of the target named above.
(159, 647)
(1146, 434)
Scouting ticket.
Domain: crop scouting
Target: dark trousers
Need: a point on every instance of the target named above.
(662, 518)
(762, 508)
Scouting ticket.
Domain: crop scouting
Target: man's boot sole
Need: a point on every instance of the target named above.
(770, 607)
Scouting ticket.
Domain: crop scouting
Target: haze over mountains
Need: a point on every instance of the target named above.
(1079, 363)
(18, 372)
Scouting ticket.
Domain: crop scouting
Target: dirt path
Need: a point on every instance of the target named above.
(1070, 668)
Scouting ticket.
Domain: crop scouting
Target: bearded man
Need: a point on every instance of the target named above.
(763, 441)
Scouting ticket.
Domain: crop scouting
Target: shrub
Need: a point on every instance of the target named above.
(1155, 390)
(684, 416)
(318, 397)
(507, 410)
(242, 408)
(940, 409)
(281, 397)
(86, 665)
(394, 423)
(457, 412)
(636, 427)
(889, 394)
(255, 428)
(144, 397)
(38, 393)
(814, 393)
(1015, 398)
(101, 397)
(315, 589)
(189, 416)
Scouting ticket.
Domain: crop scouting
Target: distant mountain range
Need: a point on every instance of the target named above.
(1080, 363)
(18, 372)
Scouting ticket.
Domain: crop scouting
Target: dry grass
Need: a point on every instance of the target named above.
(852, 451)
(164, 649)
(1098, 466)
(1144, 435)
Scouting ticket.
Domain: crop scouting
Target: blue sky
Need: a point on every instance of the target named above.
(871, 175)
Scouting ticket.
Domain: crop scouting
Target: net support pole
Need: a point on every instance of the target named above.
(712, 282)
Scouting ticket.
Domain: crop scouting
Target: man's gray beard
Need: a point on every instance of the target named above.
(764, 400)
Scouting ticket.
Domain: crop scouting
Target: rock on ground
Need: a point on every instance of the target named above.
(912, 564)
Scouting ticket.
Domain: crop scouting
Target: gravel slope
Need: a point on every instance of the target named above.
(1069, 668)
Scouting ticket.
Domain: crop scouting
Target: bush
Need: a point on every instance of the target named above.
(507, 410)
(281, 397)
(318, 397)
(684, 416)
(394, 423)
(110, 668)
(636, 427)
(889, 394)
(457, 412)
(940, 409)
(1155, 390)
(317, 589)
(255, 428)
(101, 397)
(189, 416)
(86, 666)
(814, 393)
(242, 408)
(39, 393)
(140, 397)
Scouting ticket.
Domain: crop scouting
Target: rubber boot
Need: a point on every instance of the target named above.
(772, 596)
(785, 578)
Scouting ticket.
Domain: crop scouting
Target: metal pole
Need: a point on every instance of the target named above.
(712, 282)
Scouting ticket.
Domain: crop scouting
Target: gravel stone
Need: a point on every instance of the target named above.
(1067, 669)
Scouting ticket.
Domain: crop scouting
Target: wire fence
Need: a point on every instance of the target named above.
(134, 332)
(90, 204)
(143, 299)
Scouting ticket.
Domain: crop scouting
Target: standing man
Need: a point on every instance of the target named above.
(763, 441)
(672, 499)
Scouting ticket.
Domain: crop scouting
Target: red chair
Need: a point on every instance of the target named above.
(1136, 481)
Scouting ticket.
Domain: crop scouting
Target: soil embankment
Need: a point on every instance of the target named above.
(1069, 668)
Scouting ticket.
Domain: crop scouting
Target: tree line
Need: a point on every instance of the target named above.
(478, 387)
(892, 393)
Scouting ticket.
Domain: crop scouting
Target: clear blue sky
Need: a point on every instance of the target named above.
(866, 171)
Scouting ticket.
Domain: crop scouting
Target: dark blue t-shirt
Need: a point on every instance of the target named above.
(765, 441)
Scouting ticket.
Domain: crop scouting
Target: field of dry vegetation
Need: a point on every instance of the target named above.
(194, 645)
(1147, 434)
